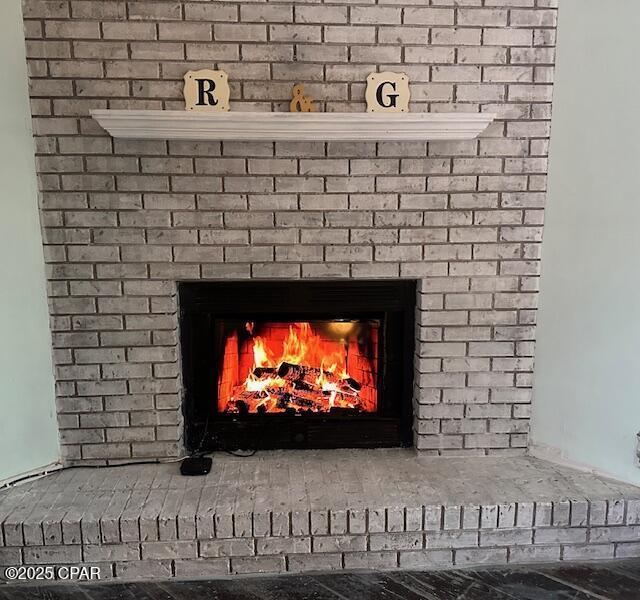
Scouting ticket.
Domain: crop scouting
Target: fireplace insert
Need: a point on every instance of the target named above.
(297, 364)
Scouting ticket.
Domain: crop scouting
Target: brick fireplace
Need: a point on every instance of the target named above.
(332, 294)
(125, 221)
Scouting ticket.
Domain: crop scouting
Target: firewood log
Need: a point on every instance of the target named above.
(260, 372)
(352, 383)
(283, 400)
(305, 402)
(303, 385)
(299, 391)
(291, 372)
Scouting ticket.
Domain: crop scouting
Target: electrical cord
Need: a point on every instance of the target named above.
(156, 461)
(251, 452)
(198, 453)
(236, 452)
(78, 466)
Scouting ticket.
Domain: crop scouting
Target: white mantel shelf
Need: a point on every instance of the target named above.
(283, 126)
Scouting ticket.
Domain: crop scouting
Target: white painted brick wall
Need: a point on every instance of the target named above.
(123, 220)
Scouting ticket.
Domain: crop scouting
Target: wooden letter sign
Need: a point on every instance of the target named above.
(206, 91)
(387, 92)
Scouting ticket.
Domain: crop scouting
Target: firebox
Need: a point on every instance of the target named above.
(297, 364)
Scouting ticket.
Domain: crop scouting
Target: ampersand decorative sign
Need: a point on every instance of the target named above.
(387, 92)
(300, 102)
(206, 91)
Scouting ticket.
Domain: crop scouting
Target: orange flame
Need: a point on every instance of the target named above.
(321, 379)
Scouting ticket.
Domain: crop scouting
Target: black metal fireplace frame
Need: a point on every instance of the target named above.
(202, 303)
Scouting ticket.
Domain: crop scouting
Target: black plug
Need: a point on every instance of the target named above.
(196, 465)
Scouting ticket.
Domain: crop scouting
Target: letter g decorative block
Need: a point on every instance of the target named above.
(387, 92)
(206, 91)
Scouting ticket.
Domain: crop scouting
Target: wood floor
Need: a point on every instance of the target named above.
(597, 581)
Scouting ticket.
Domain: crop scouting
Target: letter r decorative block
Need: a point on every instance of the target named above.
(387, 92)
(206, 91)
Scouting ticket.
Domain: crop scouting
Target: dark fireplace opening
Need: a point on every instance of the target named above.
(297, 364)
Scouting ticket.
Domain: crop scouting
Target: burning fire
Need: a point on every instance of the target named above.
(308, 370)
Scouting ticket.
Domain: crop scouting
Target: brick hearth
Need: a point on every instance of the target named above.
(311, 510)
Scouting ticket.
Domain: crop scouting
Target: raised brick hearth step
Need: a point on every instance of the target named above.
(318, 510)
